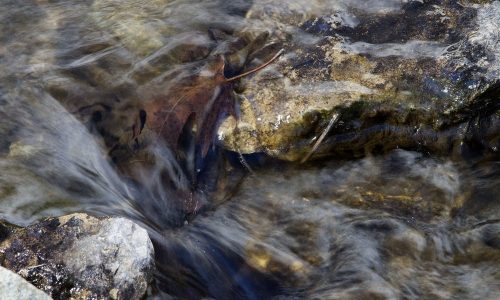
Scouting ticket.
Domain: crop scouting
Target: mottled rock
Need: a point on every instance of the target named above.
(395, 75)
(14, 287)
(79, 256)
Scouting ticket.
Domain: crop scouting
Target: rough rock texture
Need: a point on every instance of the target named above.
(14, 287)
(81, 257)
(398, 74)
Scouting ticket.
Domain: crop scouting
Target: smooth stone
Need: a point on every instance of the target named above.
(14, 287)
(79, 256)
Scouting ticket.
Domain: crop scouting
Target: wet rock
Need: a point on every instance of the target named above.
(79, 256)
(401, 183)
(13, 286)
(375, 228)
(395, 75)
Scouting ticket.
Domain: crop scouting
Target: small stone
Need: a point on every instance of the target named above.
(14, 287)
(113, 294)
(80, 256)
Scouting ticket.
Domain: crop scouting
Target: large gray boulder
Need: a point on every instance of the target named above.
(79, 256)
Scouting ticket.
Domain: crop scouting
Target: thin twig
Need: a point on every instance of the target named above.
(257, 68)
(37, 266)
(244, 162)
(333, 120)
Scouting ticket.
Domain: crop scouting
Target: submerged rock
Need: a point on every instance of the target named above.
(393, 75)
(13, 287)
(78, 256)
(137, 25)
(386, 227)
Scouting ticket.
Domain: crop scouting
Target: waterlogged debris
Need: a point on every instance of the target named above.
(205, 98)
(184, 117)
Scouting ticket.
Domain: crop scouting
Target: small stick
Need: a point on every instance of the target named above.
(33, 267)
(334, 119)
(244, 163)
(257, 68)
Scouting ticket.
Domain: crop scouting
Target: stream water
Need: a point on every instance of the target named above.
(399, 224)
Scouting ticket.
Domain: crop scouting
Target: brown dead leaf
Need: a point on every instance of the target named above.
(202, 97)
(206, 99)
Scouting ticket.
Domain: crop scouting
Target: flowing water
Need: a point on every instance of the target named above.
(400, 224)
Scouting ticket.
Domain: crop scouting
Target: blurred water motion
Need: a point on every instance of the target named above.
(398, 225)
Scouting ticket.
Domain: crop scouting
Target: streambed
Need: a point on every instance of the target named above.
(400, 200)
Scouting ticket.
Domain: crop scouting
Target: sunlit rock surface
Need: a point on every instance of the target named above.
(78, 256)
(404, 63)
(414, 65)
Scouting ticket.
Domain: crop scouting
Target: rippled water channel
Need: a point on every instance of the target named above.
(396, 223)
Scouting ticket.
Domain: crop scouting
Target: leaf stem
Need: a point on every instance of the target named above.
(257, 68)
